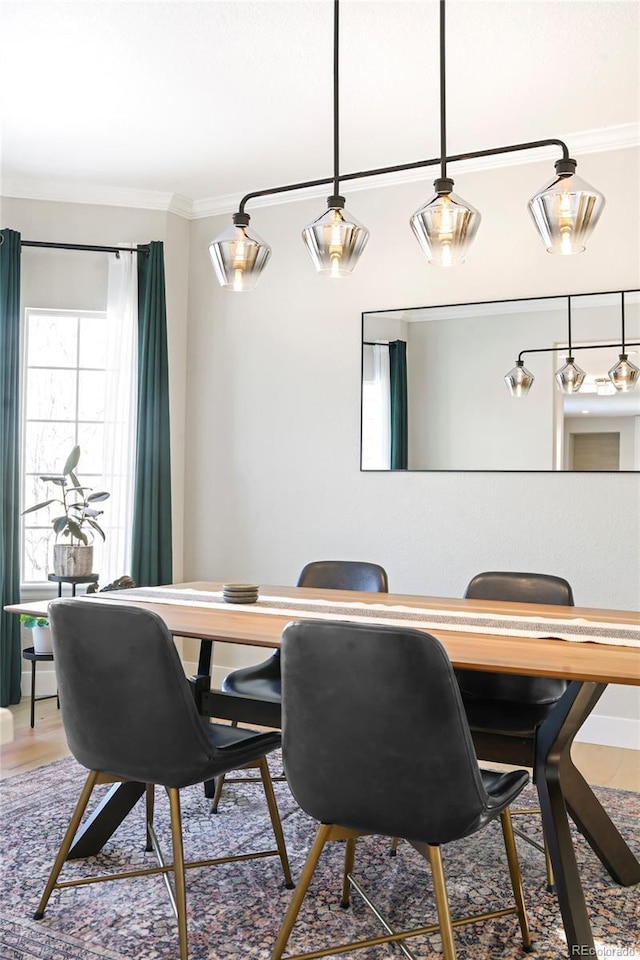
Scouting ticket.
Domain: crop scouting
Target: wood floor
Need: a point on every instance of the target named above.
(601, 766)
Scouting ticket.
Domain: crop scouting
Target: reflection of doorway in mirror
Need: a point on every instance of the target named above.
(595, 451)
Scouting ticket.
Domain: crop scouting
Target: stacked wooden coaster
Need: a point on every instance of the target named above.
(239, 592)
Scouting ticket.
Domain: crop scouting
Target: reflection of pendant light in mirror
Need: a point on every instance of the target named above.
(566, 210)
(446, 224)
(335, 240)
(569, 377)
(519, 380)
(624, 375)
(239, 255)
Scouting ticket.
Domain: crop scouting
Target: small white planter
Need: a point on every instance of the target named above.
(72, 560)
(42, 640)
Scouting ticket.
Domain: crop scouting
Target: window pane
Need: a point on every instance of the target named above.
(38, 491)
(47, 446)
(91, 395)
(90, 438)
(38, 554)
(52, 341)
(93, 342)
(51, 395)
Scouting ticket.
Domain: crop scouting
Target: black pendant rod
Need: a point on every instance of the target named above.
(623, 350)
(569, 323)
(83, 246)
(398, 168)
(586, 346)
(443, 107)
(336, 98)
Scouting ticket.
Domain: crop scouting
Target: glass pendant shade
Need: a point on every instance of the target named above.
(239, 255)
(570, 377)
(566, 210)
(335, 240)
(519, 380)
(445, 226)
(624, 375)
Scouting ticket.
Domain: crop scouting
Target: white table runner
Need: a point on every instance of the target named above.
(573, 629)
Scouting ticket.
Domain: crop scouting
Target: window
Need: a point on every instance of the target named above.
(64, 404)
(376, 407)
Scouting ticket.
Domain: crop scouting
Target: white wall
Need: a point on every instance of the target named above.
(273, 407)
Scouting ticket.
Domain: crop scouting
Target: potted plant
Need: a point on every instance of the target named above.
(77, 521)
(41, 633)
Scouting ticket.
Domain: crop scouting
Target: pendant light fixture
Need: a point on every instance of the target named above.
(519, 380)
(624, 375)
(566, 210)
(446, 225)
(335, 240)
(239, 255)
(569, 377)
(565, 213)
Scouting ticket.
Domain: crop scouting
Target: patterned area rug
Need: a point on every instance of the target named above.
(235, 910)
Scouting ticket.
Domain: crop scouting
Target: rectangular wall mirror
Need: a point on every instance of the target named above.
(434, 395)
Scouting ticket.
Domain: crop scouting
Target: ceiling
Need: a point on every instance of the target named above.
(215, 99)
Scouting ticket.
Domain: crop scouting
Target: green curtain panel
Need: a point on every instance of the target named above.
(152, 544)
(10, 646)
(399, 420)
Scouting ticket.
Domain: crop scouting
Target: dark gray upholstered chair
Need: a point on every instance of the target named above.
(504, 711)
(375, 741)
(262, 681)
(129, 715)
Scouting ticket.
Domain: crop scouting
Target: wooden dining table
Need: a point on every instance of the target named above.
(588, 666)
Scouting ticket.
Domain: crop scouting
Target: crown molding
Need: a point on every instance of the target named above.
(584, 142)
(57, 192)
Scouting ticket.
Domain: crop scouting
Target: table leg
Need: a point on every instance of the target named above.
(106, 819)
(553, 745)
(594, 824)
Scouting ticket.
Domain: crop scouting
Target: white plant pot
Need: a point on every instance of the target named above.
(42, 640)
(72, 560)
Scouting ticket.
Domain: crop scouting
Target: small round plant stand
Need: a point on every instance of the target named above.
(29, 654)
(74, 581)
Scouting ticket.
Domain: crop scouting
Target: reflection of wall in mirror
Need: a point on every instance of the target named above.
(461, 416)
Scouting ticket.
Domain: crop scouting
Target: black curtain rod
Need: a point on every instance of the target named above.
(84, 246)
(381, 343)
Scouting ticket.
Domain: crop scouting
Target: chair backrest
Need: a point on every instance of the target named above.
(126, 704)
(344, 575)
(375, 736)
(519, 588)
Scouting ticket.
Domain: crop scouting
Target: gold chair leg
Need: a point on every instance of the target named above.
(65, 846)
(150, 801)
(217, 793)
(551, 880)
(178, 869)
(349, 860)
(301, 889)
(442, 903)
(393, 849)
(276, 823)
(516, 877)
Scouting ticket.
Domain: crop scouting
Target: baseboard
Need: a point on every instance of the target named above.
(46, 684)
(611, 731)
